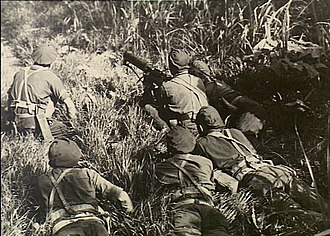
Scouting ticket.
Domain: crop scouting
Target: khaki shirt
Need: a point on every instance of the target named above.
(184, 94)
(200, 169)
(79, 186)
(221, 151)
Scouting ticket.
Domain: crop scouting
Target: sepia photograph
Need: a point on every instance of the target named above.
(165, 117)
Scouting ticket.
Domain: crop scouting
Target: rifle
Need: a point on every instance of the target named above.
(151, 75)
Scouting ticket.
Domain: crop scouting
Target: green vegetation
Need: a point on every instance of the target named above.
(276, 52)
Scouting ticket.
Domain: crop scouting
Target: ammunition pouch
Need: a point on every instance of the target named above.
(248, 164)
(30, 116)
(226, 180)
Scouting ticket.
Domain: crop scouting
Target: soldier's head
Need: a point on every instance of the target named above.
(63, 153)
(180, 140)
(200, 69)
(44, 55)
(178, 60)
(208, 118)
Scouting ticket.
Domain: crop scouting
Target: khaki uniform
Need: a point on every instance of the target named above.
(32, 96)
(240, 166)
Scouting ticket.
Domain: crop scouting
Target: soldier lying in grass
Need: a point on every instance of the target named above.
(238, 165)
(69, 193)
(190, 181)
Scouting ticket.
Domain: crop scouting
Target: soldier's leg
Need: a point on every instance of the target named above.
(83, 228)
(306, 196)
(249, 123)
(73, 229)
(95, 228)
(214, 223)
(187, 221)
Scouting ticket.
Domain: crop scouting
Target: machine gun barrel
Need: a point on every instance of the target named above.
(152, 75)
(136, 61)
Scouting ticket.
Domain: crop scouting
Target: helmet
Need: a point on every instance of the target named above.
(179, 59)
(180, 140)
(201, 66)
(64, 153)
(44, 55)
(208, 116)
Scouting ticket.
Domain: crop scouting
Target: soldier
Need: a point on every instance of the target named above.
(238, 165)
(190, 179)
(244, 113)
(33, 94)
(183, 95)
(69, 193)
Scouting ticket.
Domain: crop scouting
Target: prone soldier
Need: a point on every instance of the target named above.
(68, 193)
(190, 181)
(238, 164)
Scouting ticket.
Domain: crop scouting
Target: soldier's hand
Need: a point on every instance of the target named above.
(125, 201)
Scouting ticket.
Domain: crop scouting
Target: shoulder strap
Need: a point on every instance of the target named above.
(25, 85)
(234, 141)
(57, 189)
(199, 93)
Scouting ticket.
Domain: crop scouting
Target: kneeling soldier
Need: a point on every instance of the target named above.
(69, 193)
(33, 95)
(190, 178)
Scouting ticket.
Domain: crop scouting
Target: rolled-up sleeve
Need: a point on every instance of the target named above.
(103, 186)
(57, 87)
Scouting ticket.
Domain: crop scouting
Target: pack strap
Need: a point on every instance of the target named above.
(23, 87)
(234, 141)
(57, 189)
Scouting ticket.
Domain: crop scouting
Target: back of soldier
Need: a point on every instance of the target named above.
(199, 167)
(221, 150)
(76, 185)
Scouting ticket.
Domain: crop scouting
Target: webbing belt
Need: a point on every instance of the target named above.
(58, 214)
(190, 201)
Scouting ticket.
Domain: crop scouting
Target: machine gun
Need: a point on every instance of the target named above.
(151, 75)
